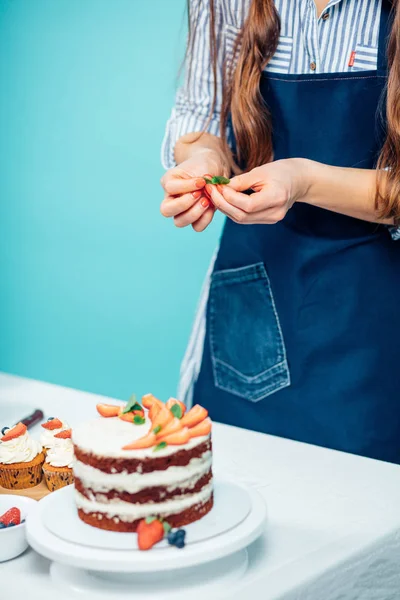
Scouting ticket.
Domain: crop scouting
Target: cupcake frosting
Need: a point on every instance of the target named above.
(47, 435)
(61, 453)
(21, 449)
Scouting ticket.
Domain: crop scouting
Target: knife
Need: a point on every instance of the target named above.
(32, 419)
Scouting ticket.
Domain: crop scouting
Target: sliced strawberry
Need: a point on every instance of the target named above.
(64, 435)
(172, 427)
(196, 415)
(148, 400)
(108, 410)
(163, 417)
(11, 517)
(14, 432)
(203, 428)
(52, 424)
(147, 441)
(172, 401)
(153, 412)
(149, 534)
(176, 439)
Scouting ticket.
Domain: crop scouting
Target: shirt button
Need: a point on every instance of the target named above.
(325, 16)
(313, 66)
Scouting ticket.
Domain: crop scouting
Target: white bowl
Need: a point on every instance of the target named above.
(13, 540)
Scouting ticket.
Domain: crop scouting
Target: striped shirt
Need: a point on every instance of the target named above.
(344, 38)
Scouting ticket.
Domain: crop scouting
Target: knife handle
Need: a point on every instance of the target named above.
(34, 418)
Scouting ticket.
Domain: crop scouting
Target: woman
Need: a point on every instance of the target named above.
(298, 329)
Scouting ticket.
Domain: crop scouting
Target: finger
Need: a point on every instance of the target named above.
(172, 206)
(245, 202)
(246, 181)
(269, 216)
(193, 214)
(205, 220)
(228, 209)
(175, 185)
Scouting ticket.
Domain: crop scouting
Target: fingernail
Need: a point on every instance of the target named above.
(197, 194)
(200, 183)
(220, 188)
(205, 203)
(208, 176)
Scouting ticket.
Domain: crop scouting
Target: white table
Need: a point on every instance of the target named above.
(334, 519)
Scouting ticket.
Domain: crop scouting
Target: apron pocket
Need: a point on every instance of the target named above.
(246, 343)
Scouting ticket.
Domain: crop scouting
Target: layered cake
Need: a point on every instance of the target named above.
(143, 461)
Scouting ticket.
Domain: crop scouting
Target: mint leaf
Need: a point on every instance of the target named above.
(176, 411)
(157, 429)
(131, 405)
(160, 446)
(208, 180)
(220, 180)
(138, 420)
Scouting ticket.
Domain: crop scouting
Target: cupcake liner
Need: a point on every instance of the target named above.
(56, 479)
(21, 476)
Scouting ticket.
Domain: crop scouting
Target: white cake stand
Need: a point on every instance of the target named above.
(209, 564)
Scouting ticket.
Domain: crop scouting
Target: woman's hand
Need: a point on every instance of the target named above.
(185, 198)
(276, 186)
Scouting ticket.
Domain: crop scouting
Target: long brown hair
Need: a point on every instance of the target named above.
(243, 105)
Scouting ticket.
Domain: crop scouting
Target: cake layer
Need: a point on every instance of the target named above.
(177, 457)
(126, 511)
(186, 517)
(132, 483)
(105, 438)
(147, 495)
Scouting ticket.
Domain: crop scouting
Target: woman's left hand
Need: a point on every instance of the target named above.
(276, 187)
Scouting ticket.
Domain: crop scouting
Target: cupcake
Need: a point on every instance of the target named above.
(21, 459)
(51, 428)
(57, 468)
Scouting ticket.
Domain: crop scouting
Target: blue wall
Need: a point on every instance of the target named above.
(97, 290)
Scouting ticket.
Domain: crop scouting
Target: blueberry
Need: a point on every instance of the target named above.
(11, 525)
(180, 544)
(3, 431)
(50, 419)
(181, 534)
(2, 526)
(171, 537)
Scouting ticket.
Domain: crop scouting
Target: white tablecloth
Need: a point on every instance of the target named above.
(334, 519)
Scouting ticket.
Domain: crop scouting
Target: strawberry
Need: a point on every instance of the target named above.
(153, 412)
(129, 415)
(173, 401)
(148, 400)
(196, 415)
(11, 517)
(14, 432)
(108, 410)
(176, 439)
(147, 441)
(163, 417)
(52, 424)
(172, 427)
(149, 533)
(203, 428)
(64, 435)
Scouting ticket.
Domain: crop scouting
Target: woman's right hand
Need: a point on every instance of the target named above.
(185, 197)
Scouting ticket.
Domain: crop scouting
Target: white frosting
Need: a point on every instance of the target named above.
(47, 435)
(61, 453)
(134, 482)
(20, 449)
(106, 436)
(126, 511)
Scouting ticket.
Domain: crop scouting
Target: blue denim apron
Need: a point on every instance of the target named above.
(303, 317)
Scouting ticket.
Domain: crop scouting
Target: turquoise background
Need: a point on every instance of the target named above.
(97, 289)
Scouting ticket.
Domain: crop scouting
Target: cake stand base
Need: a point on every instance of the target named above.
(211, 580)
